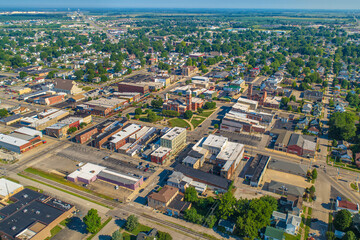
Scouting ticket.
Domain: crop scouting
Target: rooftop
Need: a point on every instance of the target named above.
(165, 194)
(173, 133)
(88, 171)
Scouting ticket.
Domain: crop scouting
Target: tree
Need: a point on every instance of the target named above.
(92, 221)
(334, 143)
(314, 174)
(191, 215)
(342, 126)
(191, 195)
(342, 220)
(128, 116)
(227, 205)
(210, 221)
(163, 236)
(3, 113)
(138, 111)
(71, 130)
(330, 235)
(157, 103)
(216, 125)
(151, 116)
(210, 105)
(349, 235)
(131, 223)
(200, 110)
(170, 113)
(82, 125)
(117, 235)
(22, 75)
(188, 114)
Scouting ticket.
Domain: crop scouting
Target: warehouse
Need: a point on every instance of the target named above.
(32, 215)
(121, 138)
(86, 174)
(19, 143)
(131, 181)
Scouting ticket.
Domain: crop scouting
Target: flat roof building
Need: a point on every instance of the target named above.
(32, 215)
(174, 139)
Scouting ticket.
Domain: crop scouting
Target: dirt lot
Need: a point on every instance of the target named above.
(285, 178)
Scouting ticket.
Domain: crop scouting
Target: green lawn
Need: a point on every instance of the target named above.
(54, 231)
(197, 121)
(35, 189)
(178, 122)
(128, 236)
(206, 113)
(292, 237)
(141, 228)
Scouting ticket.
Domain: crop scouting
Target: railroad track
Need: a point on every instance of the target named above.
(74, 190)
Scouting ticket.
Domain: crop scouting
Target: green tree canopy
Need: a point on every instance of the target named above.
(117, 235)
(342, 220)
(131, 223)
(342, 126)
(191, 195)
(188, 114)
(92, 221)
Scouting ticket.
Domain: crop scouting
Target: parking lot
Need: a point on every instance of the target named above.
(273, 175)
(252, 140)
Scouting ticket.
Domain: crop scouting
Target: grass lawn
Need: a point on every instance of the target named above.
(60, 179)
(65, 222)
(206, 113)
(87, 88)
(35, 189)
(292, 237)
(128, 236)
(178, 122)
(197, 121)
(141, 228)
(54, 231)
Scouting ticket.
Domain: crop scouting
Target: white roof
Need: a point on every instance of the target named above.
(160, 152)
(126, 132)
(88, 171)
(173, 133)
(8, 187)
(215, 141)
(231, 151)
(28, 131)
(247, 101)
(12, 140)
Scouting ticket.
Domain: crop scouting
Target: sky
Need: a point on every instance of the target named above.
(257, 4)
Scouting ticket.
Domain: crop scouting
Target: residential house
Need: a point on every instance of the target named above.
(344, 204)
(314, 130)
(302, 123)
(227, 225)
(307, 108)
(346, 156)
(169, 200)
(287, 222)
(147, 235)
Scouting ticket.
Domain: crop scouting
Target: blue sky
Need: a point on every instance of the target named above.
(277, 4)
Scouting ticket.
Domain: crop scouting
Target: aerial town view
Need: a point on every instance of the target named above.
(154, 119)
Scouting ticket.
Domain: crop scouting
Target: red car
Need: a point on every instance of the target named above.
(145, 170)
(247, 158)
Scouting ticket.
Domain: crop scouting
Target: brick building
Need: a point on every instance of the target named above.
(133, 87)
